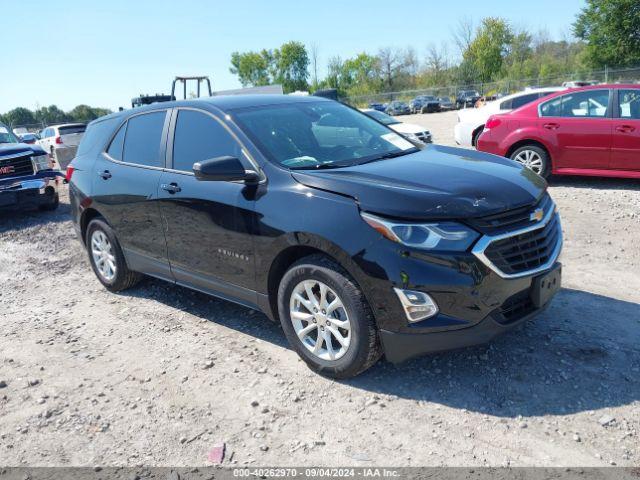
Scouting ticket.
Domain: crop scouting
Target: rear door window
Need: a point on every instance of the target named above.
(199, 137)
(143, 140)
(629, 104)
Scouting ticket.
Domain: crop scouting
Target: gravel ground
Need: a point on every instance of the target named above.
(160, 375)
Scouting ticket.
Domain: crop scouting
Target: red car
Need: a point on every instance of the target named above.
(592, 130)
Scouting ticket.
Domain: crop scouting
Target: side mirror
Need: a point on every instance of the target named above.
(224, 169)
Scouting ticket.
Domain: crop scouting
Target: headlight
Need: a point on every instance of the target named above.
(40, 162)
(446, 236)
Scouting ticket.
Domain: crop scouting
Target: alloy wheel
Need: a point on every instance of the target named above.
(530, 159)
(103, 256)
(320, 320)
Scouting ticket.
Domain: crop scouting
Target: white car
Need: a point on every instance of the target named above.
(471, 121)
(61, 141)
(409, 131)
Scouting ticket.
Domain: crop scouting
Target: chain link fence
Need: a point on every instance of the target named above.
(504, 87)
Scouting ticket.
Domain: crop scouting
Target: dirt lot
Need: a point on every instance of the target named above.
(160, 375)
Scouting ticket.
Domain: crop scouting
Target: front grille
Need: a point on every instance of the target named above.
(17, 166)
(516, 307)
(512, 219)
(526, 251)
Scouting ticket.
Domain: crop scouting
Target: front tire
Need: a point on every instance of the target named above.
(326, 318)
(106, 258)
(52, 205)
(533, 157)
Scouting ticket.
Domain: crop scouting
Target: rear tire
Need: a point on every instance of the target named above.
(533, 157)
(304, 325)
(107, 259)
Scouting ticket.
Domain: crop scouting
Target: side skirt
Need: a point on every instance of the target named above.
(597, 172)
(214, 287)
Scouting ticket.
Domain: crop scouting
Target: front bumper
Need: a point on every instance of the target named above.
(31, 191)
(399, 347)
(476, 301)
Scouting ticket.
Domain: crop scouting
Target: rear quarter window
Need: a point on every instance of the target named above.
(97, 135)
(143, 139)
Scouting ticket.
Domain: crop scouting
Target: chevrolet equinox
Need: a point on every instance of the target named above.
(358, 241)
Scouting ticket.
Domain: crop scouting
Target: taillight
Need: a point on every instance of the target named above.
(493, 122)
(58, 140)
(69, 174)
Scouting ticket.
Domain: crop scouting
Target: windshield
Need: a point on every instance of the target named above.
(381, 117)
(313, 135)
(7, 136)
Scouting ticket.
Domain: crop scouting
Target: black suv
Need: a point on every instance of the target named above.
(467, 98)
(357, 241)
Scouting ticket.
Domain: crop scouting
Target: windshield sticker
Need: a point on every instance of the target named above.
(397, 141)
(3, 130)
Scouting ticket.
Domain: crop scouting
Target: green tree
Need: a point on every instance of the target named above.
(50, 114)
(361, 74)
(85, 113)
(291, 66)
(252, 68)
(334, 75)
(19, 116)
(488, 49)
(611, 29)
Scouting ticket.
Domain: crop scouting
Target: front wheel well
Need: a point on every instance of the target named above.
(279, 267)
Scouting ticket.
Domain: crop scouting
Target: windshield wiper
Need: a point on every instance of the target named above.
(322, 166)
(388, 155)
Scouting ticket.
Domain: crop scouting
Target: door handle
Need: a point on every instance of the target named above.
(105, 174)
(625, 128)
(171, 187)
(551, 126)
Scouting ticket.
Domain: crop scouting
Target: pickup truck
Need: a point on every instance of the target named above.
(27, 179)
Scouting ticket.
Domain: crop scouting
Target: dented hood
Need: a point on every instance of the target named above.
(437, 182)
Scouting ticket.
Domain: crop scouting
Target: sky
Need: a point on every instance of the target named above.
(68, 52)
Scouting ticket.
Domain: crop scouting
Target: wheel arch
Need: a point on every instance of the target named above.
(475, 134)
(303, 245)
(525, 142)
(87, 215)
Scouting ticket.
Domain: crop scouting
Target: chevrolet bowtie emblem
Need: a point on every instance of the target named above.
(536, 215)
